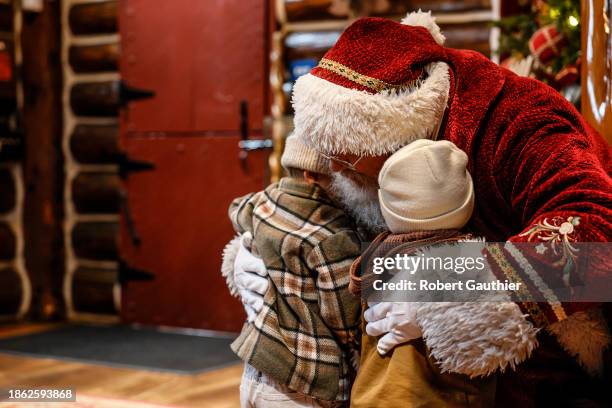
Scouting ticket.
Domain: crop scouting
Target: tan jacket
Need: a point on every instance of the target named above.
(407, 376)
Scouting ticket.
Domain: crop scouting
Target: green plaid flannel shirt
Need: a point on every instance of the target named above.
(305, 335)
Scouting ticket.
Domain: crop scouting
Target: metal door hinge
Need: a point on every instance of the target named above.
(128, 165)
(129, 273)
(129, 93)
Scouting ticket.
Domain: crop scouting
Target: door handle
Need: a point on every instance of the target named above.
(245, 144)
(255, 144)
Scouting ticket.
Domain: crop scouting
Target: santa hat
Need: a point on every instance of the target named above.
(381, 86)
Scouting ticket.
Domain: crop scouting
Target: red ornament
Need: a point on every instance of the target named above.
(546, 44)
(567, 76)
(6, 66)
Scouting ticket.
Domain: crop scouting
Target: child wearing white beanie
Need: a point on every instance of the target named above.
(426, 186)
(426, 197)
(425, 189)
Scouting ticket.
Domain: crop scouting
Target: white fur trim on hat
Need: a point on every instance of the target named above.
(338, 120)
(422, 19)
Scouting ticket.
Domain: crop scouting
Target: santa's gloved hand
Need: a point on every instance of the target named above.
(394, 321)
(250, 277)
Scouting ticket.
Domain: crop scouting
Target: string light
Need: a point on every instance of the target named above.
(554, 13)
(573, 21)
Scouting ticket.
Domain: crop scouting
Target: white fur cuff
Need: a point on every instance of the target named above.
(227, 265)
(476, 338)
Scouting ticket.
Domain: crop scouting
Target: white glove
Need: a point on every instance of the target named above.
(396, 321)
(250, 277)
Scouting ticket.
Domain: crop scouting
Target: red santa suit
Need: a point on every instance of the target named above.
(539, 171)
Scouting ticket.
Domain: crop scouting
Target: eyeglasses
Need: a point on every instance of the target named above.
(343, 163)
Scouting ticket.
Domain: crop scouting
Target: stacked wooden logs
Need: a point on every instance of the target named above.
(313, 10)
(91, 130)
(13, 280)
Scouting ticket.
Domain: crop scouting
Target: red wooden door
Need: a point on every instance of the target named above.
(203, 61)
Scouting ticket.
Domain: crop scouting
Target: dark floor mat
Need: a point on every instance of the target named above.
(127, 347)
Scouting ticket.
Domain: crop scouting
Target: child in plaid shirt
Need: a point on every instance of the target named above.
(298, 349)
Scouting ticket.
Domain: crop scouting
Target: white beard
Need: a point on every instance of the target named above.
(360, 201)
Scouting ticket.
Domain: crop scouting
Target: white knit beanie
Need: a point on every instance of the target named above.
(298, 156)
(426, 186)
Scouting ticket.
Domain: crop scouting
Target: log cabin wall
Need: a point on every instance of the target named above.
(15, 287)
(90, 54)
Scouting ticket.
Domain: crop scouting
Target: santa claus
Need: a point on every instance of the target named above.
(538, 169)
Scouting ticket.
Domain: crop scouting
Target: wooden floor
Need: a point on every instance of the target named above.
(218, 388)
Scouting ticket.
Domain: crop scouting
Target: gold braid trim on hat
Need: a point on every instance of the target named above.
(364, 80)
